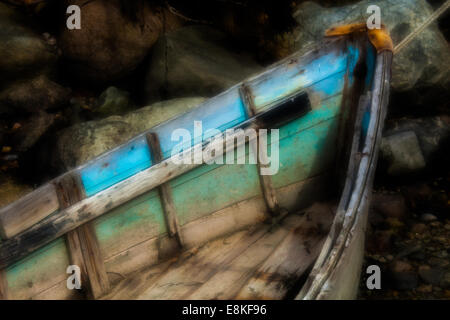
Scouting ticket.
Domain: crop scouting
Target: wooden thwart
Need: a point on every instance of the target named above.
(165, 192)
(27, 211)
(82, 243)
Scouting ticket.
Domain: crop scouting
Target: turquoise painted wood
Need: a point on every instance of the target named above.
(222, 112)
(116, 166)
(44, 267)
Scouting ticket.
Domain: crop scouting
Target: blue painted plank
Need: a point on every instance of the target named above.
(116, 166)
(289, 79)
(222, 112)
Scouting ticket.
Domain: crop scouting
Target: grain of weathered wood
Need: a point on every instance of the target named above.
(165, 192)
(232, 275)
(291, 258)
(95, 267)
(82, 243)
(92, 207)
(29, 210)
(3, 285)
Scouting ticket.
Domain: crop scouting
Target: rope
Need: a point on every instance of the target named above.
(427, 22)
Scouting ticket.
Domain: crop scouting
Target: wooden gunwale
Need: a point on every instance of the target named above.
(347, 215)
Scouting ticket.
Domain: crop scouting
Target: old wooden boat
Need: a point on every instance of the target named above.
(140, 226)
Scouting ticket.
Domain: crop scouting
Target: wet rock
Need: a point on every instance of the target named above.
(110, 43)
(11, 190)
(32, 130)
(22, 50)
(195, 60)
(419, 228)
(32, 95)
(26, 64)
(113, 101)
(425, 288)
(402, 153)
(403, 275)
(380, 241)
(428, 217)
(432, 133)
(431, 275)
(389, 205)
(84, 141)
(417, 65)
(445, 281)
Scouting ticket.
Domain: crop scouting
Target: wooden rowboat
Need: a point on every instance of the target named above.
(140, 226)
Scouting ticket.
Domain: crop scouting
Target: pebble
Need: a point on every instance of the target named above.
(425, 288)
(428, 217)
(431, 275)
(419, 228)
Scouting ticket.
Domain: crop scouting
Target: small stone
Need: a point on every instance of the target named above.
(403, 276)
(402, 152)
(428, 217)
(431, 275)
(445, 281)
(447, 226)
(425, 288)
(419, 228)
(390, 206)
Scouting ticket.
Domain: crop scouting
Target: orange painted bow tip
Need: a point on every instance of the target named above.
(379, 38)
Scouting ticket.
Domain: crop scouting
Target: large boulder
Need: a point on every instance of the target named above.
(82, 142)
(110, 43)
(423, 63)
(32, 95)
(27, 60)
(195, 60)
(22, 50)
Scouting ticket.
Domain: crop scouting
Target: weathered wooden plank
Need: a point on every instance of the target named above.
(82, 242)
(233, 274)
(165, 192)
(197, 266)
(39, 271)
(3, 285)
(29, 210)
(95, 267)
(279, 273)
(115, 166)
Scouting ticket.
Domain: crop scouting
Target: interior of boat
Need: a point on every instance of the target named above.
(140, 229)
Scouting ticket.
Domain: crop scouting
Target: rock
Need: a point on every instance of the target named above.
(380, 241)
(417, 65)
(403, 275)
(22, 50)
(32, 96)
(195, 60)
(26, 63)
(110, 43)
(432, 133)
(113, 101)
(402, 153)
(419, 228)
(32, 130)
(428, 217)
(445, 281)
(425, 288)
(417, 195)
(11, 190)
(431, 275)
(84, 141)
(390, 206)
